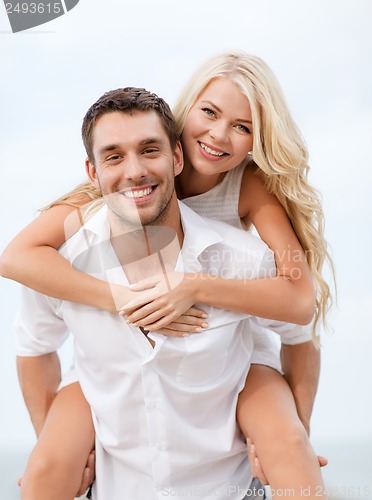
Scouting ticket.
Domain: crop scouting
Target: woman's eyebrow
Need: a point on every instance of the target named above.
(220, 111)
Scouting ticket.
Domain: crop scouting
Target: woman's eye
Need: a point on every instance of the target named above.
(209, 112)
(243, 128)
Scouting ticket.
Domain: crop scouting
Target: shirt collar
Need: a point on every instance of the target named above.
(198, 234)
(97, 224)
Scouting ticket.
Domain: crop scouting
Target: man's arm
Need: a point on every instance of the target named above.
(39, 378)
(301, 368)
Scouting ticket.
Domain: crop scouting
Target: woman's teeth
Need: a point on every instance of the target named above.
(210, 151)
(138, 194)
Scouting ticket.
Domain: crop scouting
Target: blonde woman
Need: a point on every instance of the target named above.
(245, 163)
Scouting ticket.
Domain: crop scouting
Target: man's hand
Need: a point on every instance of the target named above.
(254, 463)
(89, 474)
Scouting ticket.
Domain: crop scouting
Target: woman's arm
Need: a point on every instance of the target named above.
(288, 297)
(292, 290)
(32, 259)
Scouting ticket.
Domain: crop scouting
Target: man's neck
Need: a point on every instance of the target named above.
(146, 251)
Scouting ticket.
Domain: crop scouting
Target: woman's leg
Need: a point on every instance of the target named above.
(267, 414)
(57, 463)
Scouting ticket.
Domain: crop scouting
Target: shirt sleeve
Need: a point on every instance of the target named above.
(37, 328)
(290, 334)
(266, 348)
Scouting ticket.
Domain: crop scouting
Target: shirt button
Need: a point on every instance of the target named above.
(152, 404)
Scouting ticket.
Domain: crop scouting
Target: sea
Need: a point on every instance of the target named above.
(348, 475)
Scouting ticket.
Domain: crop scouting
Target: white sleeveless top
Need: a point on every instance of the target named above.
(222, 201)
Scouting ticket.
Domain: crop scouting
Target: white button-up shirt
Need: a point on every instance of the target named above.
(165, 417)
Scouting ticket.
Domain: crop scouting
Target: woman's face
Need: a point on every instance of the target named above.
(218, 131)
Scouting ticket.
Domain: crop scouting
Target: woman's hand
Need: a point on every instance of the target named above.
(193, 321)
(163, 299)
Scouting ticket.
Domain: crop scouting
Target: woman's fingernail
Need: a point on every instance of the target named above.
(186, 335)
(205, 315)
(204, 325)
(198, 329)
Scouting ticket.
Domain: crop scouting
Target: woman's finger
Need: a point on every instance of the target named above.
(145, 319)
(199, 313)
(139, 302)
(146, 283)
(142, 312)
(190, 320)
(182, 332)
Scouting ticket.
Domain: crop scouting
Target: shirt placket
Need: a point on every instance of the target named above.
(156, 421)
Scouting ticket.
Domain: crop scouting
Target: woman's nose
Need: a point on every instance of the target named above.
(219, 132)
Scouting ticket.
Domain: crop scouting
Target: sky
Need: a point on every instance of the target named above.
(321, 52)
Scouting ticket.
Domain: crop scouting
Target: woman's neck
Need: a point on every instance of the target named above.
(191, 183)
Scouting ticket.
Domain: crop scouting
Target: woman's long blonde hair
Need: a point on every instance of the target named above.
(278, 150)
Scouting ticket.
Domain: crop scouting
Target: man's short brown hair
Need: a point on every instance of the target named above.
(127, 100)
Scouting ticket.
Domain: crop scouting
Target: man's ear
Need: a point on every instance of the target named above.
(178, 158)
(92, 173)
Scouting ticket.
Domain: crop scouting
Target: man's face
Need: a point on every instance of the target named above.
(134, 166)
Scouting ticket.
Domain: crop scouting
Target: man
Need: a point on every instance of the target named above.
(163, 408)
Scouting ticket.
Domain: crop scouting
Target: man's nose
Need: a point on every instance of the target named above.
(135, 168)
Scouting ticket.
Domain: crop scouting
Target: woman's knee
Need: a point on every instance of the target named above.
(290, 442)
(46, 466)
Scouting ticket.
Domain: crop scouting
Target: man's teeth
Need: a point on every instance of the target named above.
(138, 194)
(210, 151)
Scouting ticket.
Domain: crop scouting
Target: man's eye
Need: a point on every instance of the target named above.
(113, 158)
(209, 111)
(150, 151)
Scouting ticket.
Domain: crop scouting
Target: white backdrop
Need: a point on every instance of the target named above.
(321, 53)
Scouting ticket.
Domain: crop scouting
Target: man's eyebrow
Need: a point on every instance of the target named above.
(218, 109)
(109, 147)
(151, 140)
(144, 142)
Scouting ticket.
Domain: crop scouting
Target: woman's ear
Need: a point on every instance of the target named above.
(178, 158)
